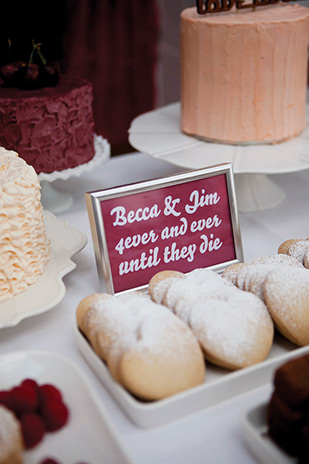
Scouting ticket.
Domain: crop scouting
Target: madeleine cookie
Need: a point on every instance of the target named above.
(147, 349)
(298, 248)
(233, 328)
(82, 311)
(231, 272)
(284, 247)
(175, 290)
(234, 333)
(160, 282)
(287, 297)
(251, 276)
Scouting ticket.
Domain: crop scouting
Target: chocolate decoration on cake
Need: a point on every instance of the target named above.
(217, 6)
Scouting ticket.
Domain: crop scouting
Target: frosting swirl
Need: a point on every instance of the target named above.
(24, 246)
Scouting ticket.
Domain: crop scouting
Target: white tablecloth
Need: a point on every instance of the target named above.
(210, 436)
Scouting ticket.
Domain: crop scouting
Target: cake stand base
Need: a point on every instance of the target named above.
(53, 199)
(158, 134)
(256, 192)
(57, 201)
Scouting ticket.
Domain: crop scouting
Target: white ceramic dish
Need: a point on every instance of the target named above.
(220, 385)
(49, 289)
(258, 440)
(158, 134)
(89, 436)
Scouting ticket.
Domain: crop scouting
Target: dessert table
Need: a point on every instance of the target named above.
(212, 435)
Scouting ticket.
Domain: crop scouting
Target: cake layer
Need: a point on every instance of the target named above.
(51, 128)
(244, 73)
(24, 246)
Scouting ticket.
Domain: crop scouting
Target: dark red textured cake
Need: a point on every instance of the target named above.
(288, 408)
(51, 128)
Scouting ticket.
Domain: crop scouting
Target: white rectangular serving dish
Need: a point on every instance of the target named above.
(258, 440)
(220, 385)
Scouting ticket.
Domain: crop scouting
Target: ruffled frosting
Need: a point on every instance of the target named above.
(24, 246)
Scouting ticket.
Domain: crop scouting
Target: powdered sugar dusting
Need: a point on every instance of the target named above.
(226, 328)
(160, 289)
(226, 321)
(133, 322)
(298, 249)
(279, 260)
(287, 298)
(251, 276)
(231, 272)
(230, 326)
(286, 282)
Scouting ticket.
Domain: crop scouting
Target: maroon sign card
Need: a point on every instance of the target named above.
(180, 222)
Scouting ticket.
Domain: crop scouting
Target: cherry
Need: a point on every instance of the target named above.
(11, 73)
(49, 74)
(31, 75)
(31, 78)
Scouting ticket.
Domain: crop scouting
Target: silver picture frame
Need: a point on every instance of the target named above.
(94, 201)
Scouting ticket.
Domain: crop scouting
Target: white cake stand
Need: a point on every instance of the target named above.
(58, 201)
(157, 133)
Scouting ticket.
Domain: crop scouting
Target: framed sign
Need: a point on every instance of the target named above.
(180, 222)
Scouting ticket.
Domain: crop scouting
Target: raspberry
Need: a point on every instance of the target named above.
(23, 399)
(5, 399)
(30, 383)
(49, 461)
(33, 429)
(55, 415)
(49, 392)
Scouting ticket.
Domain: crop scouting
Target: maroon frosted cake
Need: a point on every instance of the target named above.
(51, 128)
(288, 408)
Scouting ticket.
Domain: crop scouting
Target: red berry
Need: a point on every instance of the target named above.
(23, 399)
(30, 77)
(11, 73)
(30, 383)
(48, 392)
(49, 461)
(5, 399)
(55, 415)
(49, 75)
(33, 429)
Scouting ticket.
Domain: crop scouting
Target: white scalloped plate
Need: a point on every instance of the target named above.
(49, 289)
(102, 153)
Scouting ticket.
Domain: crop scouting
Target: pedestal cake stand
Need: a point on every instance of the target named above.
(58, 201)
(157, 133)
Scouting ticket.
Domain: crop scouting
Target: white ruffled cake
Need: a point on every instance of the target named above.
(24, 246)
